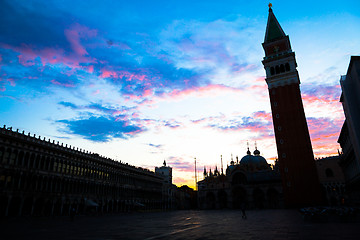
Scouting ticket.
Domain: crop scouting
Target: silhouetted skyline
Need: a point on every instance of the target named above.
(146, 82)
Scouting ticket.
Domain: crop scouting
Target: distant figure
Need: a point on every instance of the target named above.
(72, 214)
(243, 207)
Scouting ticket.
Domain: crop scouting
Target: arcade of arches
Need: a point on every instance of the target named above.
(39, 177)
(255, 196)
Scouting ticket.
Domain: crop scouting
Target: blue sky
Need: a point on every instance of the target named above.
(144, 81)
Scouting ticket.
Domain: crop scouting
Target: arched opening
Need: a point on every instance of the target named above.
(287, 67)
(272, 71)
(277, 69)
(47, 208)
(27, 207)
(3, 205)
(38, 207)
(273, 198)
(210, 200)
(32, 160)
(20, 159)
(222, 196)
(57, 208)
(66, 208)
(2, 151)
(324, 195)
(13, 157)
(7, 156)
(282, 68)
(26, 159)
(259, 198)
(239, 196)
(329, 173)
(37, 162)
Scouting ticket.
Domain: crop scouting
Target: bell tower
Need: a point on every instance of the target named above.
(296, 159)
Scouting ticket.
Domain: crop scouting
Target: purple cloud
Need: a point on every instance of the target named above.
(180, 164)
(155, 145)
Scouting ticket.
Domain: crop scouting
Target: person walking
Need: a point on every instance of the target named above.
(243, 207)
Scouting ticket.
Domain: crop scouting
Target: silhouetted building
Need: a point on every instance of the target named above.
(41, 177)
(296, 160)
(186, 198)
(168, 189)
(332, 180)
(349, 138)
(251, 181)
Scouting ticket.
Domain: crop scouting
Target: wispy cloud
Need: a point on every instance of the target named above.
(259, 123)
(179, 164)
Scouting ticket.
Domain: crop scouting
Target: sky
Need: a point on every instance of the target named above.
(146, 81)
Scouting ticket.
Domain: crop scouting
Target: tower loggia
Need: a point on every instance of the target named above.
(296, 159)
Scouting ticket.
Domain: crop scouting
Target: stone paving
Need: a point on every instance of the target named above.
(200, 225)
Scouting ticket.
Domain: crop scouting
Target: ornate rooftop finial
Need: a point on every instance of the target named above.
(248, 151)
(164, 163)
(270, 5)
(256, 152)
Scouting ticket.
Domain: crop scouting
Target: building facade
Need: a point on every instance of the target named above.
(296, 159)
(43, 178)
(349, 138)
(251, 181)
(332, 180)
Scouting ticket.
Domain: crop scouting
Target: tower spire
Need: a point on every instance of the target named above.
(248, 150)
(222, 167)
(273, 28)
(195, 175)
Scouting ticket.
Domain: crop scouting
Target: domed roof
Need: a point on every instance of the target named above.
(256, 161)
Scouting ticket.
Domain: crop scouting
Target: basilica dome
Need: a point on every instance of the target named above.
(254, 162)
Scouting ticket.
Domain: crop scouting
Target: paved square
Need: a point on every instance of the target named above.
(201, 225)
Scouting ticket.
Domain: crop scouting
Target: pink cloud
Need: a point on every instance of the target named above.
(90, 69)
(324, 133)
(96, 92)
(211, 88)
(135, 115)
(75, 34)
(133, 133)
(263, 115)
(68, 85)
(47, 56)
(107, 73)
(180, 164)
(129, 76)
(50, 56)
